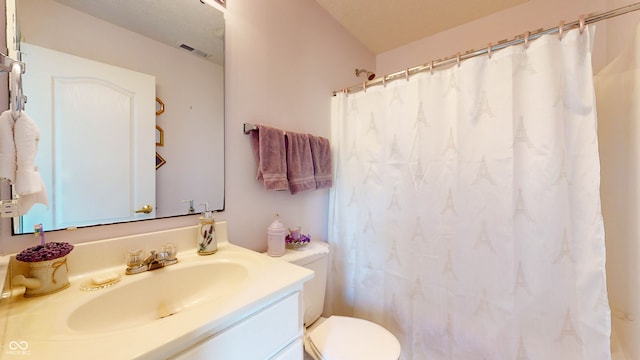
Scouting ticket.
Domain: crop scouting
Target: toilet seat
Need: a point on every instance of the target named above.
(340, 337)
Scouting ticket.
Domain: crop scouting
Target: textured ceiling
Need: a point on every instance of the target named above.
(172, 22)
(383, 25)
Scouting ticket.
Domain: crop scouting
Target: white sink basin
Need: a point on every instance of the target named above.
(157, 294)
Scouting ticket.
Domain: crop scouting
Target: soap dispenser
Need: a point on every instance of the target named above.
(276, 238)
(207, 243)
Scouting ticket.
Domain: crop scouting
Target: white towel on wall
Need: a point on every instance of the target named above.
(7, 147)
(29, 184)
(20, 168)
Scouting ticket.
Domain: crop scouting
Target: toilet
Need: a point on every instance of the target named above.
(336, 337)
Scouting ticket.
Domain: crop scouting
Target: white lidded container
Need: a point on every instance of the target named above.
(276, 233)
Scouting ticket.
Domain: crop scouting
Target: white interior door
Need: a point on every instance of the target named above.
(90, 179)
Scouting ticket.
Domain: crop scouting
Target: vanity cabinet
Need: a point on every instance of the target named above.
(273, 332)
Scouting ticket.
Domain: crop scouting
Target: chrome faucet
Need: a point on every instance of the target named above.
(136, 264)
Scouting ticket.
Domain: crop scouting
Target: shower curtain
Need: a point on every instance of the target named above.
(465, 216)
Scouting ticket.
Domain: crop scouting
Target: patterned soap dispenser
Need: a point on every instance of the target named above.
(207, 242)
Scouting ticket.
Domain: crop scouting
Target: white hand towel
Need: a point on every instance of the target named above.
(28, 184)
(7, 147)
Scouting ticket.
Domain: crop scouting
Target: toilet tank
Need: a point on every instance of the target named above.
(314, 256)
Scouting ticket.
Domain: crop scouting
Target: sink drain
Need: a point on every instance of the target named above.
(164, 316)
(164, 311)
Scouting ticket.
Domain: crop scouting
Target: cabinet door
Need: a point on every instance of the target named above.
(294, 351)
(262, 335)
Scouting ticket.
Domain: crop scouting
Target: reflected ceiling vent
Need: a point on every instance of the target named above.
(194, 51)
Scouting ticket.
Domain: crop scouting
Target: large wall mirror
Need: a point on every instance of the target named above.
(129, 99)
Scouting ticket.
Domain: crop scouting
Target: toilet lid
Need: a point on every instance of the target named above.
(339, 338)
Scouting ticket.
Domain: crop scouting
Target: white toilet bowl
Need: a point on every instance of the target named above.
(336, 337)
(341, 337)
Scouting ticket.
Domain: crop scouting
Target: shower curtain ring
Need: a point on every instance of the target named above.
(364, 86)
(582, 24)
(384, 80)
(458, 59)
(526, 39)
(561, 30)
(489, 50)
(406, 74)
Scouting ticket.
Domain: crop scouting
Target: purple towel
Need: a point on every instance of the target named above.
(299, 163)
(321, 153)
(268, 145)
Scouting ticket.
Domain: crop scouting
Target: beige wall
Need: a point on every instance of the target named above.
(619, 168)
(284, 58)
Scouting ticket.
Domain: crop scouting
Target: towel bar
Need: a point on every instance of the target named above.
(247, 128)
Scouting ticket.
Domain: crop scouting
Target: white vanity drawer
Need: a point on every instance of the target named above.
(259, 336)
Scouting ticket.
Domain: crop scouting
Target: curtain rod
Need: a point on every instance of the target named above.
(518, 39)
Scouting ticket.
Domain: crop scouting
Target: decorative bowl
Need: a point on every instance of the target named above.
(295, 244)
(47, 269)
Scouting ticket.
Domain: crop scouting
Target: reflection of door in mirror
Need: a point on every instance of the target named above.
(145, 36)
(97, 178)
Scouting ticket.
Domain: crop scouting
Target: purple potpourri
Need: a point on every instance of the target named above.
(48, 251)
(304, 239)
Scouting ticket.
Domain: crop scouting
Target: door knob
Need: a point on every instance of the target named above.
(145, 209)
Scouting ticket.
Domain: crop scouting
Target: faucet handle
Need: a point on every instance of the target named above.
(134, 258)
(171, 250)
